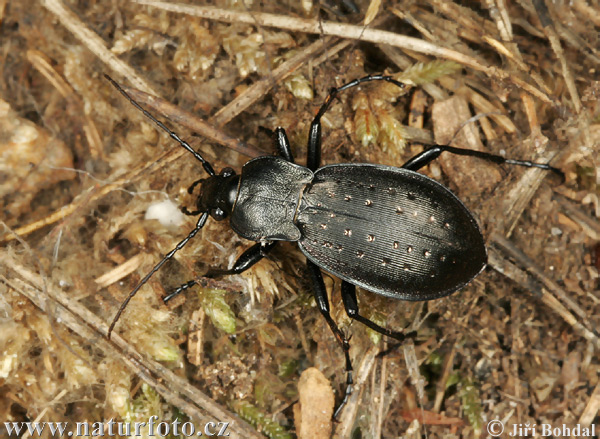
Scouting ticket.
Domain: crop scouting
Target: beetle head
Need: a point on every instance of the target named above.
(218, 193)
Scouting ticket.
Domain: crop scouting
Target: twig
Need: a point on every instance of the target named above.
(39, 61)
(193, 122)
(589, 226)
(592, 407)
(548, 27)
(380, 405)
(520, 194)
(343, 30)
(440, 387)
(80, 320)
(501, 251)
(260, 88)
(120, 271)
(95, 44)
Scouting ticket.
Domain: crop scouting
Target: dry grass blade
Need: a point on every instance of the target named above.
(81, 321)
(74, 104)
(590, 226)
(546, 20)
(345, 31)
(193, 122)
(260, 88)
(521, 348)
(372, 11)
(502, 251)
(592, 408)
(94, 43)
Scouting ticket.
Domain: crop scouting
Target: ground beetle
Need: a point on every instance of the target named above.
(389, 230)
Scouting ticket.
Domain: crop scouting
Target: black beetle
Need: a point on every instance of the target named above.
(389, 230)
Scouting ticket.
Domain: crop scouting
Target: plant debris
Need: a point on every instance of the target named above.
(79, 169)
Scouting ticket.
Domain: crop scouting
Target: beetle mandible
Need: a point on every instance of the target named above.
(392, 231)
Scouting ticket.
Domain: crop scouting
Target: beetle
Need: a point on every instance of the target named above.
(388, 230)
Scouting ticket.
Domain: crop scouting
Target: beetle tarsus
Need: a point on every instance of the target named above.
(245, 261)
(351, 306)
(349, 390)
(433, 152)
(193, 185)
(320, 293)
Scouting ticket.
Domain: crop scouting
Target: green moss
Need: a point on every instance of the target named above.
(260, 421)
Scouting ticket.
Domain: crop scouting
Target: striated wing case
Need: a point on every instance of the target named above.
(389, 230)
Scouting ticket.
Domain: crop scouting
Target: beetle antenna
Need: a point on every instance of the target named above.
(493, 157)
(199, 225)
(207, 166)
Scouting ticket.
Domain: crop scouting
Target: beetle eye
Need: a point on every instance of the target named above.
(227, 172)
(218, 214)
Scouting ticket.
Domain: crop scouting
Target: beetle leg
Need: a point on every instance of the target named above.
(313, 156)
(422, 159)
(433, 152)
(244, 262)
(280, 139)
(320, 292)
(187, 212)
(283, 144)
(351, 306)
